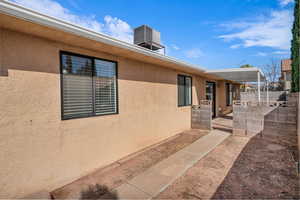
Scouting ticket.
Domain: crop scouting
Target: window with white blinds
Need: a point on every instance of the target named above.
(89, 86)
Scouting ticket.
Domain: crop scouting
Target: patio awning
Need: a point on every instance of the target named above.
(241, 75)
(252, 74)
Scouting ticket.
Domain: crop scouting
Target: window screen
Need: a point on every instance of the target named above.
(88, 86)
(184, 90)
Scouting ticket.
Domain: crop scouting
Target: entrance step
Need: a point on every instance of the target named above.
(154, 180)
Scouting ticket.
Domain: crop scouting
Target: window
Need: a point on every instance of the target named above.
(229, 94)
(89, 86)
(288, 76)
(184, 90)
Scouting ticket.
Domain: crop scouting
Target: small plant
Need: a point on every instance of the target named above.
(98, 192)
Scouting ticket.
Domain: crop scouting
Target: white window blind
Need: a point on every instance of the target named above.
(105, 87)
(88, 86)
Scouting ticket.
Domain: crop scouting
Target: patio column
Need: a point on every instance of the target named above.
(258, 85)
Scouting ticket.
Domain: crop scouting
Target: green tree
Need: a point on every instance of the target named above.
(295, 49)
(246, 66)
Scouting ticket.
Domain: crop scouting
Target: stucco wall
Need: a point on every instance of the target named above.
(39, 151)
(222, 97)
(1, 49)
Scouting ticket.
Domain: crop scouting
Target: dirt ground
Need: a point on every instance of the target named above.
(264, 169)
(127, 168)
(242, 168)
(202, 180)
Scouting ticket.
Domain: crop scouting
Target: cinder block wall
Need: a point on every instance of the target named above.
(282, 123)
(294, 100)
(202, 116)
(248, 117)
(283, 118)
(273, 96)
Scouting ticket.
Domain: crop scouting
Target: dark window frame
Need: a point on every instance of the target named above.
(61, 53)
(185, 92)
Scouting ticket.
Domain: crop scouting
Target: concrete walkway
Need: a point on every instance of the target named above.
(157, 178)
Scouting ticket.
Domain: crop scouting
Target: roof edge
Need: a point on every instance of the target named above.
(255, 69)
(21, 12)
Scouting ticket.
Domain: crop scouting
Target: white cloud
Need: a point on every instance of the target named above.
(285, 2)
(193, 53)
(175, 47)
(281, 52)
(235, 46)
(276, 53)
(261, 54)
(269, 31)
(111, 26)
(54, 9)
(118, 28)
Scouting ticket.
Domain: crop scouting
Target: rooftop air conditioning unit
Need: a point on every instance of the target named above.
(147, 37)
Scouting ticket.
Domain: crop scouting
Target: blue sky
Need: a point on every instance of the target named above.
(212, 34)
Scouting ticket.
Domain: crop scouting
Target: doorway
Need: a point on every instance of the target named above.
(211, 95)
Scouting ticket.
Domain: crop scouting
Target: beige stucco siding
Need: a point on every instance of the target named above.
(39, 151)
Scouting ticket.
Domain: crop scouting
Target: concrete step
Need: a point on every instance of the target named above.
(157, 178)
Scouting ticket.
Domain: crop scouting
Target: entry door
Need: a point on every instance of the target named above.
(211, 95)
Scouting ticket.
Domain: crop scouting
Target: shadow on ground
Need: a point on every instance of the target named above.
(265, 169)
(228, 117)
(98, 192)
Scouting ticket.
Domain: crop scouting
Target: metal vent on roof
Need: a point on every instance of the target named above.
(147, 37)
